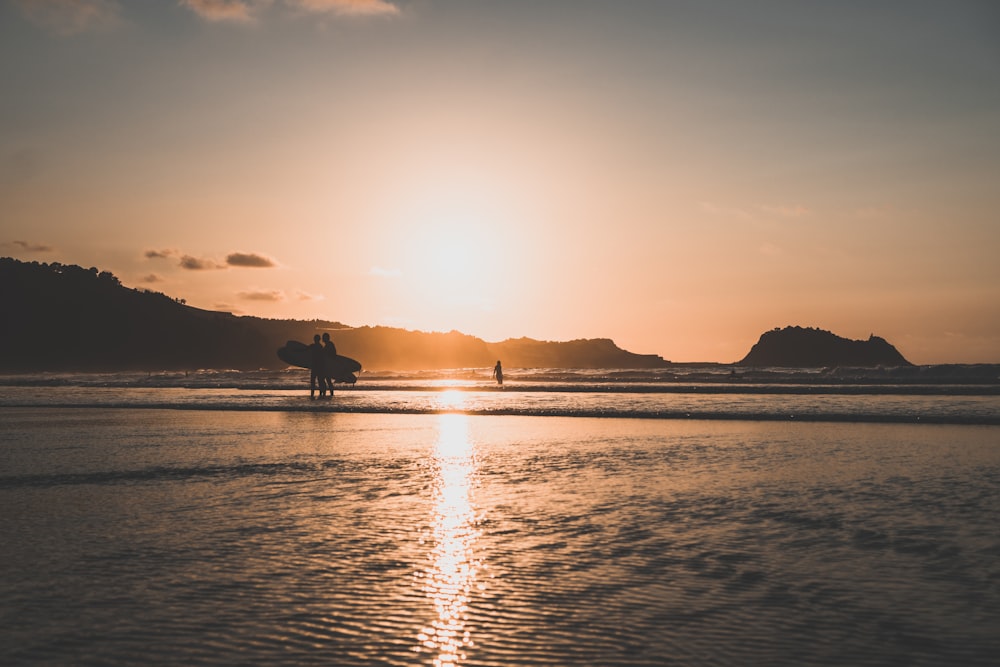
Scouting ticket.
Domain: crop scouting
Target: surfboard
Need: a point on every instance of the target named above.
(339, 367)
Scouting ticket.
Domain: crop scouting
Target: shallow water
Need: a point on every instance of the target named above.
(218, 537)
(721, 402)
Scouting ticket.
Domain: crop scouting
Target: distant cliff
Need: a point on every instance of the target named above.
(801, 347)
(60, 317)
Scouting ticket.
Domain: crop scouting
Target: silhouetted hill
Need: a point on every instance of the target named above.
(60, 317)
(582, 353)
(799, 347)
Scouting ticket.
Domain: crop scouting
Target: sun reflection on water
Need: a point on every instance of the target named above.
(452, 399)
(451, 574)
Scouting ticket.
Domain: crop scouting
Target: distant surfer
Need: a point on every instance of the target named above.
(331, 351)
(498, 373)
(317, 368)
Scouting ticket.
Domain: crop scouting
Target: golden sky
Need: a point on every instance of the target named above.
(679, 176)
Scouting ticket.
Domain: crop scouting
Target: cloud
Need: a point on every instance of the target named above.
(306, 296)
(161, 254)
(151, 278)
(70, 17)
(384, 273)
(262, 295)
(240, 259)
(220, 10)
(251, 260)
(28, 246)
(245, 11)
(199, 264)
(348, 7)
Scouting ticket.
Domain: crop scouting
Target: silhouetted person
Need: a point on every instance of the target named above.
(317, 368)
(498, 373)
(331, 351)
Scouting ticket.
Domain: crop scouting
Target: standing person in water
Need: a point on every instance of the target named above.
(317, 368)
(331, 351)
(498, 373)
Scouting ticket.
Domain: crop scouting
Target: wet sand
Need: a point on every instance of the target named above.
(171, 536)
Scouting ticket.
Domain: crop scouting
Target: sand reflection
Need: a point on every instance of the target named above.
(451, 574)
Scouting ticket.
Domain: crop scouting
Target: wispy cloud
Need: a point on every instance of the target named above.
(348, 7)
(151, 278)
(199, 263)
(379, 272)
(190, 262)
(221, 10)
(306, 296)
(70, 17)
(161, 254)
(262, 295)
(251, 260)
(28, 246)
(245, 11)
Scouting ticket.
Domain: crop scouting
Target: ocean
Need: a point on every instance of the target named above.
(682, 517)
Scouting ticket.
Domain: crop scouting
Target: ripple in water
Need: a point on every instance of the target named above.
(179, 537)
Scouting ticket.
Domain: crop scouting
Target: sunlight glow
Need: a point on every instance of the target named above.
(452, 399)
(386, 180)
(452, 233)
(451, 574)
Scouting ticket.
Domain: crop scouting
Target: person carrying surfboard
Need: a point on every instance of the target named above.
(317, 368)
(331, 351)
(498, 373)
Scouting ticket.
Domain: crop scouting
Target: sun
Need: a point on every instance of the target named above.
(455, 268)
(460, 241)
(453, 251)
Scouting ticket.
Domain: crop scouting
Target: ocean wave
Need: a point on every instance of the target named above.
(985, 417)
(551, 394)
(976, 381)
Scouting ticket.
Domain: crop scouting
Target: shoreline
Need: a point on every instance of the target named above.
(545, 380)
(319, 406)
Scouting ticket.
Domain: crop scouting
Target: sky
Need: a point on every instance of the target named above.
(677, 175)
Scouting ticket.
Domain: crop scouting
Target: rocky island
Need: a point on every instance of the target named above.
(798, 347)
